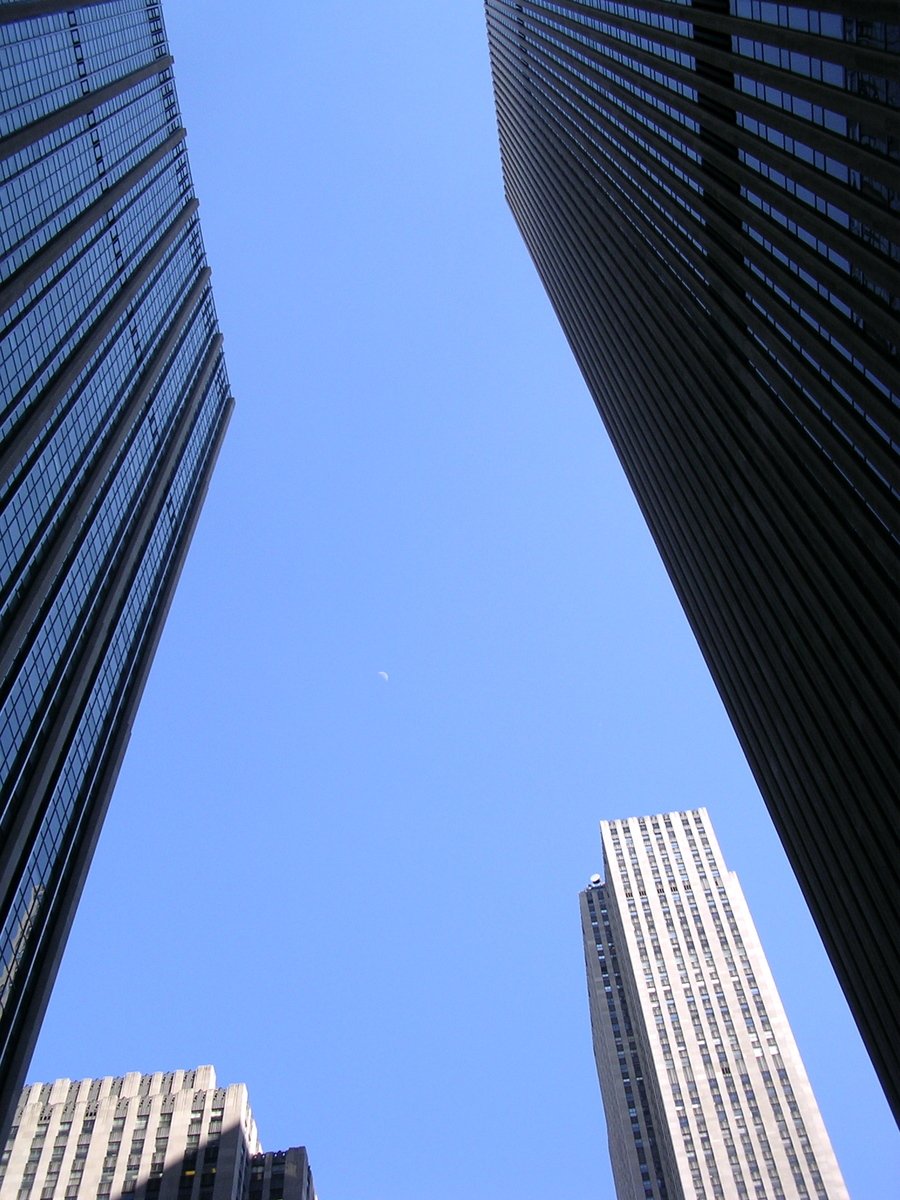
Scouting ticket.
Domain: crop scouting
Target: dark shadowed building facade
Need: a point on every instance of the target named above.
(709, 192)
(113, 403)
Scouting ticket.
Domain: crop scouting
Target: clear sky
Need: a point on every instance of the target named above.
(359, 895)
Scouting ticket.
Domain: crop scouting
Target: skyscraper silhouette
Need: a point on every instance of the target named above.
(709, 191)
(113, 403)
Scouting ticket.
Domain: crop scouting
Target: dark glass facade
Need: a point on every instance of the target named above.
(113, 402)
(709, 191)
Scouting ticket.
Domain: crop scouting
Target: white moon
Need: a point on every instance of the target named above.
(383, 675)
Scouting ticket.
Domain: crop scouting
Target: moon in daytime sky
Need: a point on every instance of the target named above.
(383, 675)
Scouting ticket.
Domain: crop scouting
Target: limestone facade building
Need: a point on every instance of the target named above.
(704, 1090)
(166, 1136)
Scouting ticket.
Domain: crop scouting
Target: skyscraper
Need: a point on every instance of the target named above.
(172, 1136)
(113, 402)
(709, 191)
(703, 1086)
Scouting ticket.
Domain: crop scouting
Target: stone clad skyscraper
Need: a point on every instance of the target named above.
(705, 1094)
(710, 192)
(173, 1135)
(113, 403)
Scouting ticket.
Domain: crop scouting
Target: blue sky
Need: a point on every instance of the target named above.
(359, 896)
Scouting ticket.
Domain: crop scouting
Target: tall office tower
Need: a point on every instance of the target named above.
(703, 1086)
(174, 1136)
(710, 192)
(113, 402)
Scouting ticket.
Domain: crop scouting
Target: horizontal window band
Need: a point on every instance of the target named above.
(853, 155)
(559, 47)
(33, 269)
(776, 34)
(79, 108)
(842, 52)
(23, 10)
(23, 434)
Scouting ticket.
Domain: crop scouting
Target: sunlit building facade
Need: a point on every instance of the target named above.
(709, 191)
(704, 1091)
(168, 1136)
(113, 403)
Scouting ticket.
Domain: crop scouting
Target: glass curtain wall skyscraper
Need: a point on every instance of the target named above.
(705, 1094)
(113, 403)
(710, 192)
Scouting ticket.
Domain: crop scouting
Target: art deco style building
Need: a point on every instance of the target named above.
(709, 191)
(174, 1136)
(113, 403)
(703, 1087)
